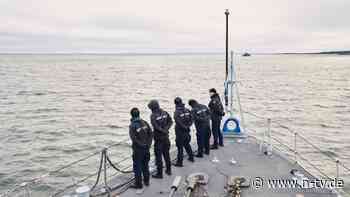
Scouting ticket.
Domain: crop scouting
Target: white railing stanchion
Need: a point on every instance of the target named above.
(337, 169)
(295, 147)
(269, 147)
(263, 142)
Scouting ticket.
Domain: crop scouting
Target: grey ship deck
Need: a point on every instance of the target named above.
(250, 164)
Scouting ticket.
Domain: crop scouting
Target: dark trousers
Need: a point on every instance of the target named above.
(161, 149)
(218, 139)
(203, 138)
(183, 139)
(141, 157)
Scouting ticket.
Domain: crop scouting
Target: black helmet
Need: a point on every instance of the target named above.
(135, 113)
(153, 105)
(192, 102)
(178, 101)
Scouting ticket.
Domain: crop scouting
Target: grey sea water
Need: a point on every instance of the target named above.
(55, 109)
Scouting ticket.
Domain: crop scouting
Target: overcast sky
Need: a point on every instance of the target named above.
(147, 26)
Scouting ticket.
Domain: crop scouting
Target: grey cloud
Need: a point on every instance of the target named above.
(158, 26)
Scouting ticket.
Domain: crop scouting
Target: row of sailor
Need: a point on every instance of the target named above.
(141, 135)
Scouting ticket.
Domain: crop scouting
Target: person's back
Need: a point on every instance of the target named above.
(216, 107)
(141, 136)
(201, 117)
(140, 133)
(183, 117)
(161, 122)
(183, 120)
(217, 112)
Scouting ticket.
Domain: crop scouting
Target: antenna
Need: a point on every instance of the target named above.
(227, 13)
(226, 63)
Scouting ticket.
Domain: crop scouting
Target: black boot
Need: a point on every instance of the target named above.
(178, 164)
(191, 159)
(214, 146)
(199, 155)
(157, 176)
(136, 186)
(146, 183)
(168, 172)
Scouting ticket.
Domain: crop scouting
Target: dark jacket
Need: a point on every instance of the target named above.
(183, 117)
(161, 122)
(216, 107)
(201, 115)
(140, 133)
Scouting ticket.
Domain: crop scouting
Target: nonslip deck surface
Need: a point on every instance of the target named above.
(251, 164)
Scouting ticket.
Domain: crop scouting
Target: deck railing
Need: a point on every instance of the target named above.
(295, 146)
(33, 186)
(300, 150)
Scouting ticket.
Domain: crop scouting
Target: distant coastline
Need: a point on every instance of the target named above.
(178, 53)
(318, 53)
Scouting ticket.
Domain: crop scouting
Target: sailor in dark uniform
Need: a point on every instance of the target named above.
(217, 112)
(183, 120)
(201, 117)
(141, 136)
(161, 122)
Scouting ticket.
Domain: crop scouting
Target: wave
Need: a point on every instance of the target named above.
(320, 106)
(113, 126)
(324, 125)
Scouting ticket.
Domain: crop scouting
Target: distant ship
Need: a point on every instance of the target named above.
(246, 54)
(249, 165)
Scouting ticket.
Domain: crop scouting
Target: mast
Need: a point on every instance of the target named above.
(227, 13)
(226, 63)
(232, 82)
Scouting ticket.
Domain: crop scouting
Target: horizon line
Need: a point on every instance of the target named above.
(164, 53)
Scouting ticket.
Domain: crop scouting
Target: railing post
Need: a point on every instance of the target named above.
(28, 191)
(337, 168)
(262, 143)
(295, 147)
(266, 142)
(269, 148)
